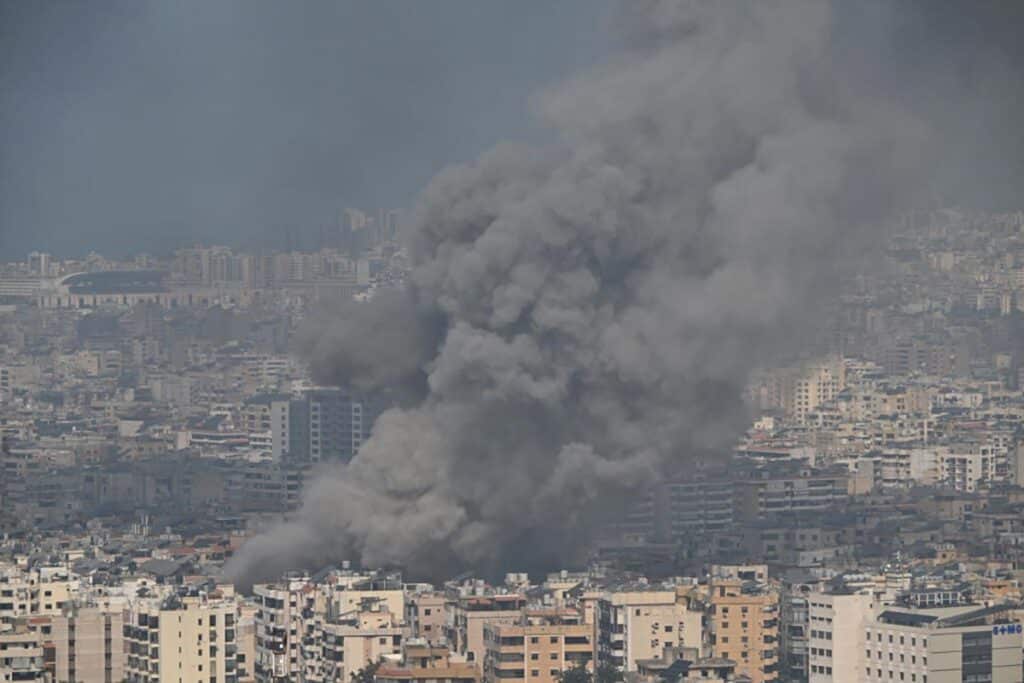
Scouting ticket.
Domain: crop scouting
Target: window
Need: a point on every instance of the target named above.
(426, 612)
(534, 640)
(554, 655)
(534, 656)
(534, 672)
(554, 639)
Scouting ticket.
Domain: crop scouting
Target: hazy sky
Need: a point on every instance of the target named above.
(146, 124)
(138, 124)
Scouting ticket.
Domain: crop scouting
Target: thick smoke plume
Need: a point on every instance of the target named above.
(586, 316)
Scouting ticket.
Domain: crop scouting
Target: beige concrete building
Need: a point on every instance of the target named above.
(84, 644)
(744, 627)
(21, 653)
(349, 643)
(426, 616)
(425, 663)
(181, 640)
(465, 630)
(635, 624)
(539, 648)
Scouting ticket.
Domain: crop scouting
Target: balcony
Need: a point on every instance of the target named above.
(509, 657)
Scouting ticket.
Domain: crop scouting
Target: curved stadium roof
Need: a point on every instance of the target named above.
(117, 282)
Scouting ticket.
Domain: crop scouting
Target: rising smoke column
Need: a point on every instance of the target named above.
(590, 313)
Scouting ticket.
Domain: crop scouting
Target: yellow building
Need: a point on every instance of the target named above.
(745, 628)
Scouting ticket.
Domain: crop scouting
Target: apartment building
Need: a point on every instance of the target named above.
(635, 623)
(179, 639)
(426, 616)
(21, 652)
(341, 646)
(465, 630)
(278, 621)
(327, 627)
(835, 642)
(539, 647)
(806, 491)
(84, 644)
(423, 662)
(744, 626)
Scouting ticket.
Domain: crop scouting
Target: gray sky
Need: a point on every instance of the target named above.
(131, 125)
(135, 124)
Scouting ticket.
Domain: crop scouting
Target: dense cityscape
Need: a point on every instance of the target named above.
(589, 341)
(153, 419)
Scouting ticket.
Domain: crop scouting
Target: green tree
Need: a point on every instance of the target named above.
(608, 673)
(577, 674)
(368, 674)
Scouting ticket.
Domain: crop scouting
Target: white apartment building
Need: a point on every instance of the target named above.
(640, 624)
(835, 642)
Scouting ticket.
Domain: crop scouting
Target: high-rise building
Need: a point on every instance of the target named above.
(85, 644)
(744, 627)
(338, 423)
(178, 639)
(835, 642)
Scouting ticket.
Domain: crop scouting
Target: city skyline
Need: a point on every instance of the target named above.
(624, 341)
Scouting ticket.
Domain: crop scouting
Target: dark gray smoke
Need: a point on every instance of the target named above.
(598, 306)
